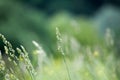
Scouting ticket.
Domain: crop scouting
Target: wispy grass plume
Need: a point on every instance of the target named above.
(60, 49)
(11, 66)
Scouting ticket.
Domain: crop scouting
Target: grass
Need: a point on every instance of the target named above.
(14, 61)
(96, 62)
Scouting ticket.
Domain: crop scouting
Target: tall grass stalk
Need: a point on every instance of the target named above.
(29, 67)
(41, 57)
(60, 49)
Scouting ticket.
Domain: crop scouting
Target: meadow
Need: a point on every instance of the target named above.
(59, 40)
(73, 60)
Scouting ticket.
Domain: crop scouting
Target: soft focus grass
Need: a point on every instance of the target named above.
(88, 54)
(84, 61)
(88, 65)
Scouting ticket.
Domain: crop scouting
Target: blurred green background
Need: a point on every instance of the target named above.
(82, 23)
(23, 21)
